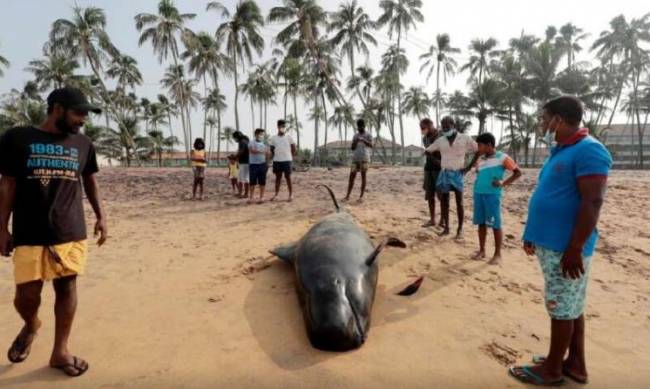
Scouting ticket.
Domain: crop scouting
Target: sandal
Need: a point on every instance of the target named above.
(77, 364)
(539, 359)
(525, 375)
(21, 348)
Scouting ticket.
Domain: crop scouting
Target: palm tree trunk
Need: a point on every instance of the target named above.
(218, 135)
(295, 117)
(325, 122)
(438, 95)
(399, 100)
(236, 91)
(316, 157)
(260, 113)
(205, 113)
(181, 93)
(618, 98)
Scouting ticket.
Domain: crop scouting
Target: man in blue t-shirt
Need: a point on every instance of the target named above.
(561, 230)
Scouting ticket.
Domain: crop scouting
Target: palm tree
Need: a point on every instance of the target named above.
(4, 62)
(439, 57)
(352, 28)
(241, 34)
(416, 102)
(181, 91)
(394, 64)
(478, 63)
(19, 109)
(294, 79)
(227, 137)
(85, 37)
(620, 49)
(487, 99)
(400, 16)
(206, 59)
(305, 18)
(215, 102)
(125, 70)
(167, 108)
(159, 144)
(340, 119)
(162, 30)
(569, 39)
(53, 71)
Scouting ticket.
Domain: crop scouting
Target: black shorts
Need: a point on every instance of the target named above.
(282, 167)
(258, 173)
(430, 179)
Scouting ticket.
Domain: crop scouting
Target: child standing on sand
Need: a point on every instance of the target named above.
(233, 172)
(491, 168)
(199, 162)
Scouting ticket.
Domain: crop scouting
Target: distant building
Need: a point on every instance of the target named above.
(622, 140)
(341, 151)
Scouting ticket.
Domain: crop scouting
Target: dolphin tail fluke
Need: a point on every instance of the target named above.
(286, 253)
(336, 203)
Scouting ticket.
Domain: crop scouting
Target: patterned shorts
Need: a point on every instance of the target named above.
(564, 297)
(359, 167)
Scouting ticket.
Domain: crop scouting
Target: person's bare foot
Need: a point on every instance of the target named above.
(360, 201)
(444, 232)
(479, 255)
(273, 198)
(496, 259)
(290, 199)
(260, 201)
(20, 349)
(459, 235)
(250, 201)
(571, 368)
(345, 199)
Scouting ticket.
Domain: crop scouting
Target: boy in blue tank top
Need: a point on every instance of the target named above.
(488, 188)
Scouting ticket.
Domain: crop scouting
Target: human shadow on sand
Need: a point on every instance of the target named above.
(275, 317)
(43, 375)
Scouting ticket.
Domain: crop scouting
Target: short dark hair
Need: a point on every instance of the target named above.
(282, 123)
(487, 139)
(361, 124)
(199, 144)
(259, 131)
(569, 108)
(426, 122)
(237, 135)
(447, 119)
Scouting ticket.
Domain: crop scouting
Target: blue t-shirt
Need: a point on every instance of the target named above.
(256, 159)
(490, 169)
(553, 208)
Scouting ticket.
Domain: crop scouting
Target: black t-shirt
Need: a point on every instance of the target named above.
(48, 169)
(243, 152)
(434, 159)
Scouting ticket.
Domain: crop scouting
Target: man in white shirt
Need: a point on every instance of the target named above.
(283, 149)
(453, 147)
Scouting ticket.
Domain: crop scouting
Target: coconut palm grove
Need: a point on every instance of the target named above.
(321, 79)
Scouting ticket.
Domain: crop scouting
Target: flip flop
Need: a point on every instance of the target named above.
(539, 359)
(74, 365)
(20, 346)
(428, 224)
(525, 375)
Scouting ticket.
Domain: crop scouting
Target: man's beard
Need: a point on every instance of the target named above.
(65, 128)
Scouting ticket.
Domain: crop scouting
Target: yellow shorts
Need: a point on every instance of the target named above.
(33, 263)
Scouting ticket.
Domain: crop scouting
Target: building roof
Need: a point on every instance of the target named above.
(340, 144)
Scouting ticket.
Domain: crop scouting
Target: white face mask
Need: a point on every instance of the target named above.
(449, 133)
(549, 136)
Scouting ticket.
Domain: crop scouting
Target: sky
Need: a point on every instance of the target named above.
(25, 24)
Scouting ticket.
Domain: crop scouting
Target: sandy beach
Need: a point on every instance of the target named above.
(185, 294)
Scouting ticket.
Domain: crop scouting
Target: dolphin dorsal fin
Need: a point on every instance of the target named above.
(285, 252)
(386, 242)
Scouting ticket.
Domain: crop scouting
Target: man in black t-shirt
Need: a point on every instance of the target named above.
(42, 173)
(243, 159)
(431, 169)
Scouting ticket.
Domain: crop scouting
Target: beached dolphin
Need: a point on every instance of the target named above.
(336, 276)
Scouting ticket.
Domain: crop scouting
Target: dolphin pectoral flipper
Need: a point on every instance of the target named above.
(393, 242)
(286, 252)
